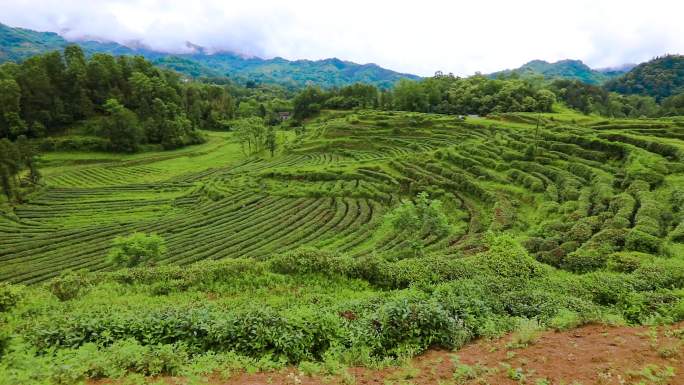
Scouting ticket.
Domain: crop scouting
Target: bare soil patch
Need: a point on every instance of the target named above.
(593, 354)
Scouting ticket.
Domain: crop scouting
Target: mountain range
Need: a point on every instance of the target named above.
(566, 69)
(18, 44)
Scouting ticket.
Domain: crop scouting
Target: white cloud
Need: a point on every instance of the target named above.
(411, 36)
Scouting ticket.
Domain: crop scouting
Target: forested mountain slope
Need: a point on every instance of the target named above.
(660, 78)
(563, 69)
(19, 44)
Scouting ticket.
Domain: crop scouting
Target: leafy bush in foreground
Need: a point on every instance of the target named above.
(352, 310)
(135, 249)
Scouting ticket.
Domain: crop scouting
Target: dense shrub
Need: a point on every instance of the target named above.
(531, 303)
(197, 275)
(433, 301)
(135, 249)
(640, 241)
(419, 324)
(416, 220)
(585, 260)
(73, 143)
(580, 231)
(677, 234)
(508, 259)
(607, 288)
(70, 285)
(626, 262)
(303, 261)
(660, 274)
(9, 296)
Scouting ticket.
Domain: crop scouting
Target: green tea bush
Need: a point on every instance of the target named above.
(677, 200)
(677, 234)
(70, 285)
(506, 258)
(606, 288)
(200, 274)
(585, 260)
(659, 274)
(305, 261)
(640, 241)
(531, 303)
(646, 167)
(422, 323)
(531, 182)
(666, 150)
(580, 232)
(10, 295)
(129, 356)
(135, 249)
(626, 262)
(599, 216)
(649, 216)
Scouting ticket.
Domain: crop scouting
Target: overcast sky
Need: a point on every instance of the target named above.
(419, 36)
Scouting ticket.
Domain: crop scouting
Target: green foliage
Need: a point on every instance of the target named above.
(420, 218)
(251, 134)
(527, 333)
(10, 295)
(294, 259)
(506, 258)
(69, 285)
(15, 158)
(121, 127)
(74, 143)
(474, 95)
(659, 78)
(565, 319)
(640, 241)
(588, 98)
(271, 141)
(308, 102)
(18, 44)
(562, 69)
(142, 103)
(136, 249)
(109, 338)
(674, 105)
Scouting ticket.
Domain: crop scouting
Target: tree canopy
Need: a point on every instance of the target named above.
(658, 78)
(46, 93)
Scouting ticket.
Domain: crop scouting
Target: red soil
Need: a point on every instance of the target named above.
(593, 354)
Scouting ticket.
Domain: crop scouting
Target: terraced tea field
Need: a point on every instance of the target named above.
(575, 190)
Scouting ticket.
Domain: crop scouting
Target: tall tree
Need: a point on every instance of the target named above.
(121, 127)
(10, 164)
(271, 140)
(308, 102)
(250, 133)
(75, 95)
(27, 155)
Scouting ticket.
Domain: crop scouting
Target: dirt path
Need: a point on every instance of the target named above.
(593, 354)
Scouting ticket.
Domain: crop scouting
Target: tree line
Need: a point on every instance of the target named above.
(439, 94)
(447, 94)
(15, 157)
(659, 78)
(126, 100)
(589, 99)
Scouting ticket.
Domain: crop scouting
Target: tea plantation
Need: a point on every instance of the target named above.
(558, 218)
